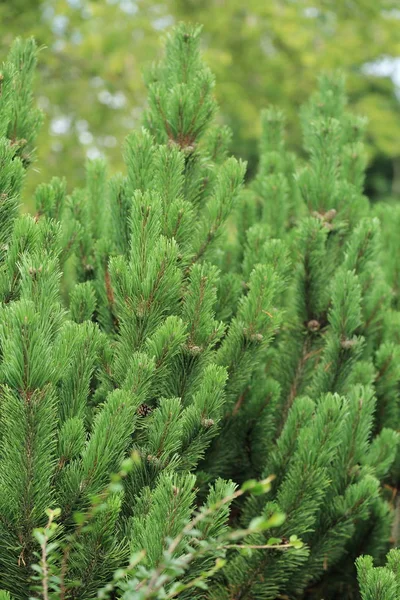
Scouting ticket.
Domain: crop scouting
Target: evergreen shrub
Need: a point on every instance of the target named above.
(199, 378)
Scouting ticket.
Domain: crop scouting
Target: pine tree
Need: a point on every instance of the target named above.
(168, 334)
(320, 411)
(109, 340)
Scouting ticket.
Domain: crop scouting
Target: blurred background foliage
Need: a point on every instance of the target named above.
(91, 89)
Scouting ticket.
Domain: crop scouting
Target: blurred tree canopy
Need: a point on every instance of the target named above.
(91, 89)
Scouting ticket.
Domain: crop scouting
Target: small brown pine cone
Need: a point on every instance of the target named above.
(144, 410)
(313, 325)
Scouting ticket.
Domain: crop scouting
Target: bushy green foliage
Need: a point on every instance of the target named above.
(91, 90)
(379, 583)
(167, 335)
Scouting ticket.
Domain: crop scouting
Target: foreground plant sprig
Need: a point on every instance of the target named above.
(136, 581)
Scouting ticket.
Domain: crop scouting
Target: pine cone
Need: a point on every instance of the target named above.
(144, 410)
(313, 325)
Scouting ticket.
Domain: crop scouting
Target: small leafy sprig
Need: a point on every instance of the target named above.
(165, 581)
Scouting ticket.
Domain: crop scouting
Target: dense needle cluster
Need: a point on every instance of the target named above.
(169, 336)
